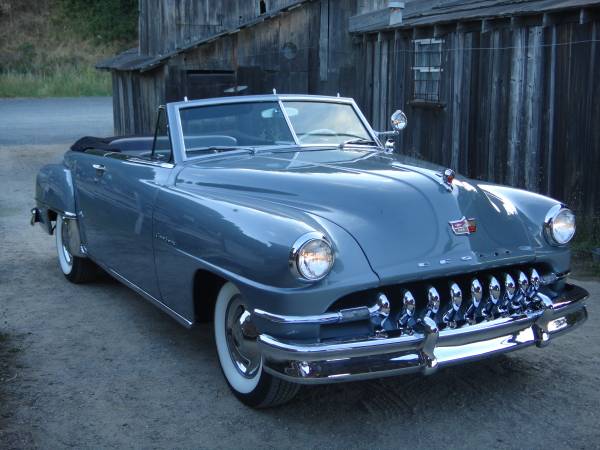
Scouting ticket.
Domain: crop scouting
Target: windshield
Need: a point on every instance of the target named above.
(254, 124)
(245, 124)
(325, 122)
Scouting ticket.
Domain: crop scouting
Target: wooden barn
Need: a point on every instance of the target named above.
(502, 90)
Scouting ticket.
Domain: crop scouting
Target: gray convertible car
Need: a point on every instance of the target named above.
(318, 253)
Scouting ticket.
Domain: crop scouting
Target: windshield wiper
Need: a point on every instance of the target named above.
(359, 142)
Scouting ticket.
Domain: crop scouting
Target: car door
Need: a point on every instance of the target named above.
(115, 194)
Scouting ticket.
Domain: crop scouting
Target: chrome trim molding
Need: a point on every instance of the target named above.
(179, 318)
(427, 348)
(381, 309)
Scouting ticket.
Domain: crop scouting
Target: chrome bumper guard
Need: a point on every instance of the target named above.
(424, 351)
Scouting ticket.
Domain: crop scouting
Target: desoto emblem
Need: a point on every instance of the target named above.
(463, 226)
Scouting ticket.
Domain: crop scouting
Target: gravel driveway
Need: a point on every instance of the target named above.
(96, 366)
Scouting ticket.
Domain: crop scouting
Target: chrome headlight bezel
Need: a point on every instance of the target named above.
(553, 217)
(296, 254)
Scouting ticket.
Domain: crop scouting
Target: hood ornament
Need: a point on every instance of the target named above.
(447, 177)
(463, 226)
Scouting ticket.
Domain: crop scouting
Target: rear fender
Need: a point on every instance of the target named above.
(54, 189)
(54, 194)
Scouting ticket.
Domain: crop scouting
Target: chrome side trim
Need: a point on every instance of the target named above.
(379, 309)
(333, 317)
(179, 318)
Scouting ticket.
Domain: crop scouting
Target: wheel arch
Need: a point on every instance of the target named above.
(206, 287)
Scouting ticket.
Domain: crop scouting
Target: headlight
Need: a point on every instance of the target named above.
(559, 225)
(311, 257)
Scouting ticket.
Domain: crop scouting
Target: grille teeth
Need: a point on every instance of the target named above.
(406, 320)
(476, 292)
(433, 300)
(523, 282)
(408, 302)
(494, 290)
(455, 296)
(452, 316)
(509, 286)
(534, 282)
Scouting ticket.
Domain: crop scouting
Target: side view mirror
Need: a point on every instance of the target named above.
(399, 120)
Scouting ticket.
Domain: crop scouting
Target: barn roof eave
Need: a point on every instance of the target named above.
(430, 12)
(127, 61)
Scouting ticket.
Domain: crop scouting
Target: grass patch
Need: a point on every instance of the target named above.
(48, 48)
(66, 81)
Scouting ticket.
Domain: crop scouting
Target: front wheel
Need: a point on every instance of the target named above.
(75, 269)
(240, 358)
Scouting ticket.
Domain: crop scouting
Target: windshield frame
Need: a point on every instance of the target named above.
(179, 151)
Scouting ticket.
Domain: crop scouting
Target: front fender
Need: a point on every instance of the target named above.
(54, 192)
(532, 209)
(248, 241)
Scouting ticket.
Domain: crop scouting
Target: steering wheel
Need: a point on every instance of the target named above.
(318, 132)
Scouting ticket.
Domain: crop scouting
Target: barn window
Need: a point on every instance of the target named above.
(262, 7)
(427, 69)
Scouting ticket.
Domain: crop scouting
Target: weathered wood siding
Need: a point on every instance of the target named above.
(136, 98)
(307, 50)
(166, 25)
(519, 97)
(520, 103)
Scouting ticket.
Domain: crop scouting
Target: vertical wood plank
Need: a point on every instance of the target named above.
(457, 94)
(383, 77)
(533, 113)
(377, 82)
(324, 41)
(515, 122)
(551, 102)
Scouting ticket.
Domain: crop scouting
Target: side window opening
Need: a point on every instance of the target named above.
(262, 7)
(427, 70)
(161, 144)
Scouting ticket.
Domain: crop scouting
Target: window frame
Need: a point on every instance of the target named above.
(427, 96)
(162, 110)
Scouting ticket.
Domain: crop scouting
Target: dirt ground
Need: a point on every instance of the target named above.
(97, 366)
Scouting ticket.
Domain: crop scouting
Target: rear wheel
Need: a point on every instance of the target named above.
(240, 358)
(75, 269)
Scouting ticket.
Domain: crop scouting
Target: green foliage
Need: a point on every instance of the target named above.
(102, 21)
(63, 81)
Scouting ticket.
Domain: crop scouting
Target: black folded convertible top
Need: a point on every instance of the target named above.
(89, 142)
(114, 143)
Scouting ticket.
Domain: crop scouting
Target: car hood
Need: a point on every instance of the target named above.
(398, 213)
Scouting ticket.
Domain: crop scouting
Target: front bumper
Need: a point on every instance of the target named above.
(388, 354)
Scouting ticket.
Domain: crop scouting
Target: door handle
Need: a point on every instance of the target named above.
(100, 168)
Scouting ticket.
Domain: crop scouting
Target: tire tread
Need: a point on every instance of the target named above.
(279, 393)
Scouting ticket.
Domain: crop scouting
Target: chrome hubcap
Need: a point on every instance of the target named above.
(241, 339)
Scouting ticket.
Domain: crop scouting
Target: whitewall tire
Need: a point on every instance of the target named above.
(239, 356)
(75, 269)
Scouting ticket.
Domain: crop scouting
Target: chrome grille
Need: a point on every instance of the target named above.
(464, 299)
(451, 302)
